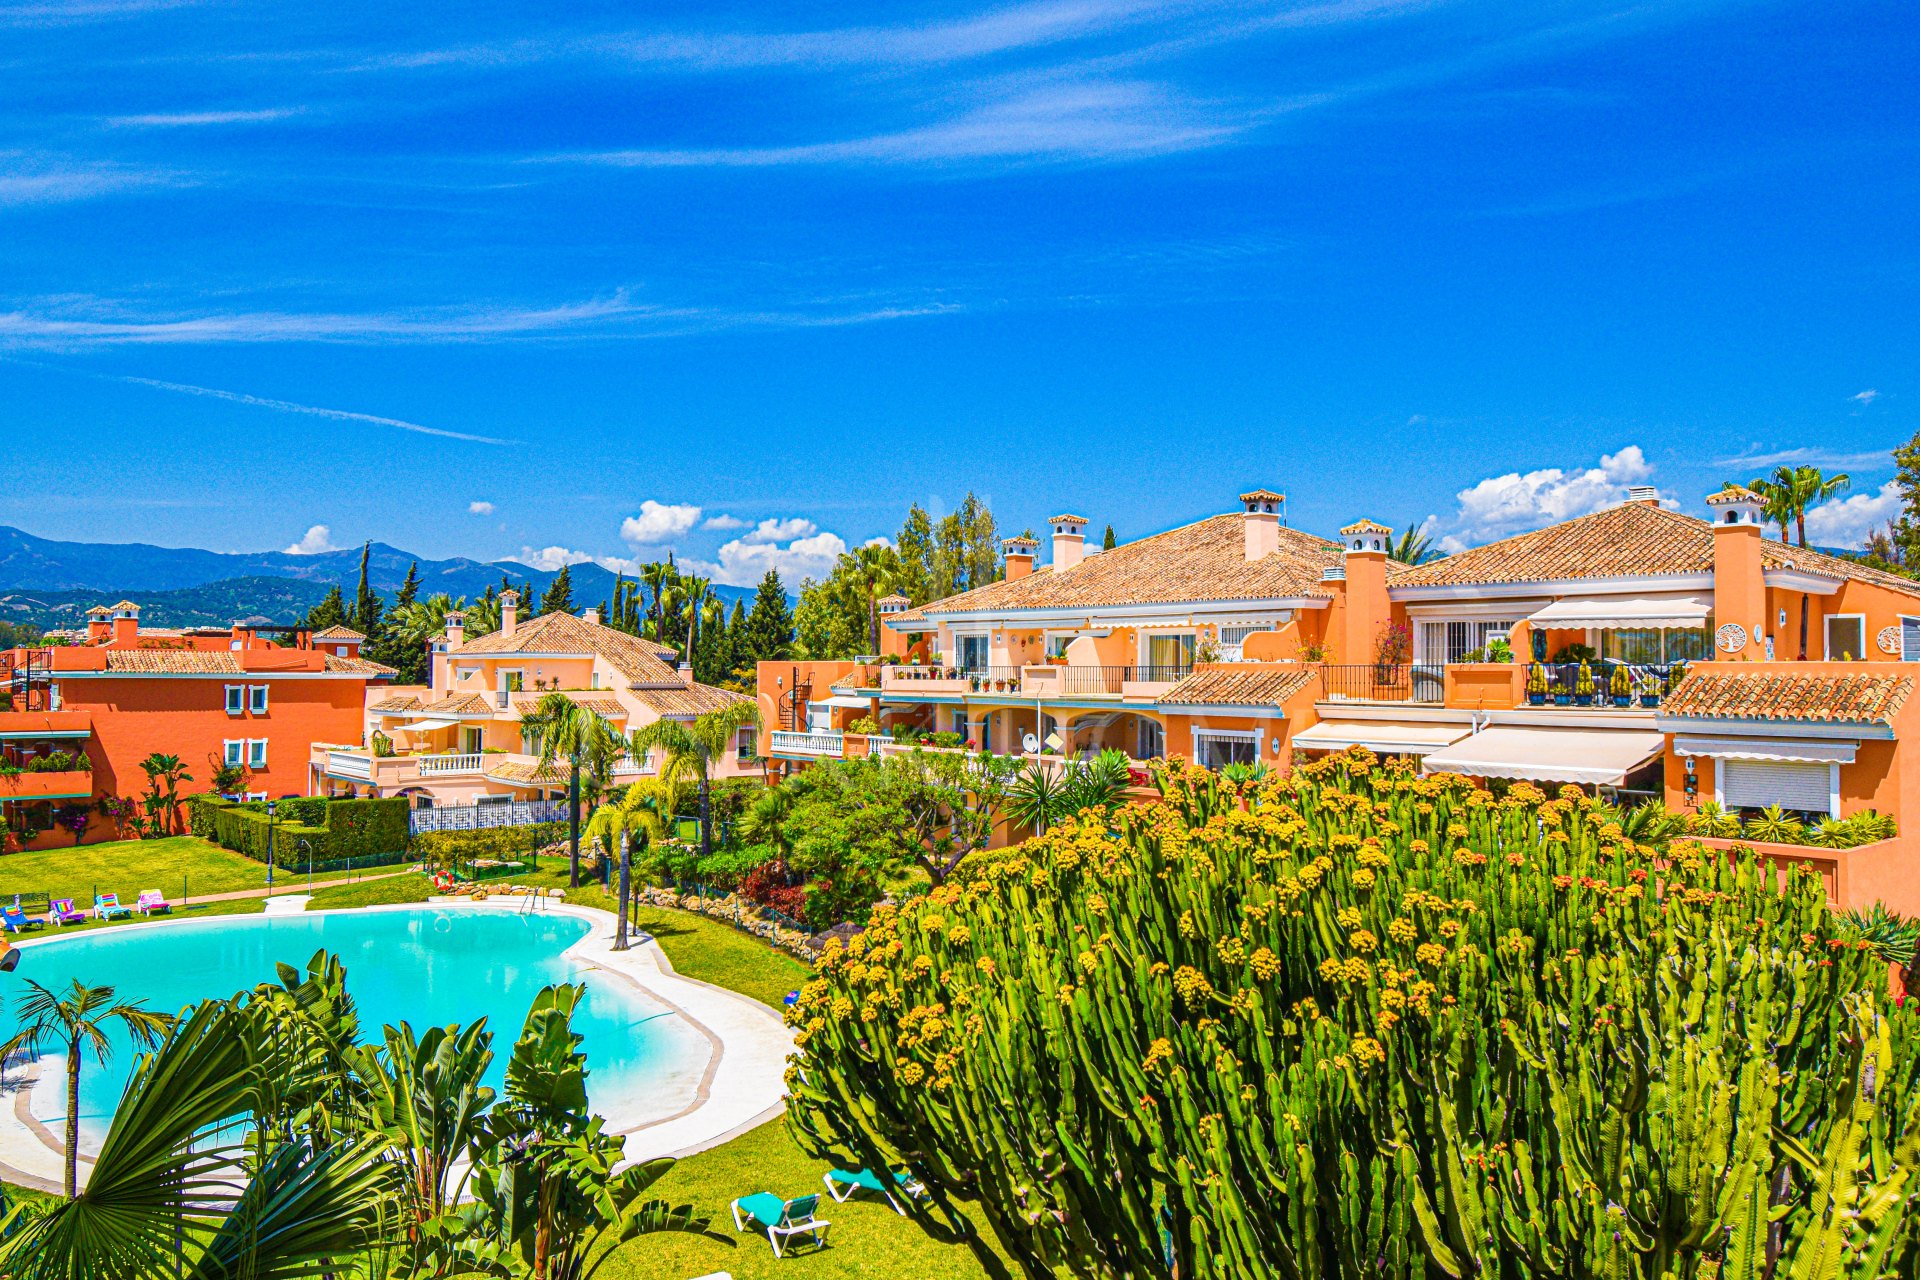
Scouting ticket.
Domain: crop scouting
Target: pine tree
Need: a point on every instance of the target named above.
(915, 542)
(734, 662)
(330, 612)
(409, 588)
(1107, 543)
(390, 646)
(769, 630)
(366, 601)
(559, 597)
(1906, 529)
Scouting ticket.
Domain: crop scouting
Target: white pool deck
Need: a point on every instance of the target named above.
(741, 1085)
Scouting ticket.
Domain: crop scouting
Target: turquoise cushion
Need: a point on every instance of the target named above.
(763, 1207)
(865, 1179)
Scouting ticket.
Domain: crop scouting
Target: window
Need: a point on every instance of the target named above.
(1909, 639)
(1153, 741)
(1232, 638)
(233, 752)
(1846, 637)
(257, 699)
(1443, 642)
(1802, 788)
(1657, 646)
(1216, 748)
(972, 652)
(746, 746)
(256, 753)
(236, 699)
(1170, 654)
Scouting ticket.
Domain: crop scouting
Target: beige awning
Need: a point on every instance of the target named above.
(1388, 737)
(1602, 757)
(1802, 750)
(1664, 609)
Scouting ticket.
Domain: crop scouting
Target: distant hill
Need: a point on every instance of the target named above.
(215, 587)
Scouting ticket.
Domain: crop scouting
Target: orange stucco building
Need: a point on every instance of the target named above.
(122, 692)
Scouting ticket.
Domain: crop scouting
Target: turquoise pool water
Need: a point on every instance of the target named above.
(425, 966)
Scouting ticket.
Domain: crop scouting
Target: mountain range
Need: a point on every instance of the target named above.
(47, 583)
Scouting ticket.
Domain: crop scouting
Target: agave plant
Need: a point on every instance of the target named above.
(1712, 819)
(1773, 825)
(1893, 937)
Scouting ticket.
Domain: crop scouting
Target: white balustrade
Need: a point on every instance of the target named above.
(790, 742)
(445, 766)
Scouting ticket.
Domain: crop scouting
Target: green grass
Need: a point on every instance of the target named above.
(409, 886)
(126, 867)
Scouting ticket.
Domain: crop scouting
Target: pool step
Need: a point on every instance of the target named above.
(288, 904)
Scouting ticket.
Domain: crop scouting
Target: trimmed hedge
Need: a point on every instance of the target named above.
(444, 847)
(341, 834)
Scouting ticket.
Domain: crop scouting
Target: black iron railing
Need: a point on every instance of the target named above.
(1641, 687)
(1384, 682)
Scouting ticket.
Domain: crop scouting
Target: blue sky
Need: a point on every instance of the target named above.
(595, 280)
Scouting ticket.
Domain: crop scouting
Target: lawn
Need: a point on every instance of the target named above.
(171, 865)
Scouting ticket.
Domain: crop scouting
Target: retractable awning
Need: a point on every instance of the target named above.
(1665, 609)
(428, 726)
(1388, 737)
(1601, 757)
(849, 701)
(1806, 750)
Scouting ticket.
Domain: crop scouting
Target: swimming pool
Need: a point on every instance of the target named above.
(423, 965)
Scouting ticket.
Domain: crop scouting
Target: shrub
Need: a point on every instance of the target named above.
(1351, 1022)
(443, 848)
(339, 833)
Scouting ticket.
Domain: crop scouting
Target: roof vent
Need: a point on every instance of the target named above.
(1644, 493)
(1334, 573)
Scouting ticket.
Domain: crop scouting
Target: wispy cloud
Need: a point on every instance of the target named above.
(1865, 397)
(30, 180)
(479, 508)
(62, 13)
(1831, 459)
(311, 410)
(185, 119)
(1088, 121)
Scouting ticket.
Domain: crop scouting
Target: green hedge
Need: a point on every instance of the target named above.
(444, 847)
(341, 834)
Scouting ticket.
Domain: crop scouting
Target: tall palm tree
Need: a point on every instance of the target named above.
(879, 567)
(164, 773)
(696, 594)
(693, 748)
(1790, 492)
(659, 576)
(633, 826)
(561, 729)
(1413, 546)
(78, 1023)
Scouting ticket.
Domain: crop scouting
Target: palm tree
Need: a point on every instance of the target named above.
(633, 826)
(1790, 493)
(696, 594)
(164, 773)
(1413, 546)
(659, 577)
(560, 728)
(78, 1022)
(879, 566)
(692, 749)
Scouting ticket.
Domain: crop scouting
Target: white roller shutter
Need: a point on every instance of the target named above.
(1755, 784)
(1909, 639)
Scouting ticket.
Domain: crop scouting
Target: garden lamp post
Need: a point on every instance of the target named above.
(620, 930)
(298, 845)
(270, 821)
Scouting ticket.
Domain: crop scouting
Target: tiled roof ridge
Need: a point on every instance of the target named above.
(1820, 696)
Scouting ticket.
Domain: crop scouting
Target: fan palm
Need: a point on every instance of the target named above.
(77, 1021)
(164, 773)
(1790, 492)
(696, 595)
(692, 749)
(561, 729)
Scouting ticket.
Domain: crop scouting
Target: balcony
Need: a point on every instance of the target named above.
(64, 784)
(389, 773)
(1143, 683)
(792, 743)
(1384, 682)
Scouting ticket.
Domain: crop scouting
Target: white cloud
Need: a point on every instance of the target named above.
(1827, 459)
(30, 180)
(548, 559)
(1517, 501)
(479, 508)
(723, 522)
(313, 542)
(782, 530)
(744, 561)
(658, 522)
(1847, 523)
(1865, 397)
(179, 119)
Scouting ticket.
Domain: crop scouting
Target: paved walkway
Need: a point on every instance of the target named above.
(289, 884)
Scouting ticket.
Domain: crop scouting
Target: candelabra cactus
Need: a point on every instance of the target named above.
(1355, 1023)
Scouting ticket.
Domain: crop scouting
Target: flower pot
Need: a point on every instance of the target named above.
(1536, 699)
(1649, 699)
(1582, 699)
(1622, 700)
(1562, 699)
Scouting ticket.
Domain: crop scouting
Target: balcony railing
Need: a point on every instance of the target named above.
(451, 766)
(473, 817)
(1646, 686)
(1384, 682)
(788, 742)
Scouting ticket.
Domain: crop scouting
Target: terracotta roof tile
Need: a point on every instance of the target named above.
(687, 702)
(1262, 495)
(1244, 685)
(641, 661)
(527, 773)
(398, 703)
(1810, 696)
(460, 704)
(1733, 493)
(1197, 562)
(359, 666)
(1366, 526)
(338, 632)
(1632, 540)
(220, 662)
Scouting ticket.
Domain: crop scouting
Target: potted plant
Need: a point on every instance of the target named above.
(1620, 685)
(1583, 689)
(1650, 690)
(1537, 685)
(1499, 650)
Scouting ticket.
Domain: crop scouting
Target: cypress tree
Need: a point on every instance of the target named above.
(366, 602)
(1107, 543)
(559, 597)
(330, 612)
(733, 654)
(769, 630)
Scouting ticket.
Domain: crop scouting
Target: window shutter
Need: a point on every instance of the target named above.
(1909, 639)
(1755, 784)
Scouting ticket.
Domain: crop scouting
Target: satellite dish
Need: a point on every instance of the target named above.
(1029, 743)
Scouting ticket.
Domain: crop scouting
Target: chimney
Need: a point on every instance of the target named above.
(1645, 494)
(591, 617)
(1020, 553)
(1069, 541)
(98, 628)
(126, 623)
(1739, 584)
(1262, 521)
(509, 611)
(1367, 610)
(686, 674)
(456, 629)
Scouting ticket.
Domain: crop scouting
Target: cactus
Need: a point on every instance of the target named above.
(1583, 681)
(1620, 683)
(1537, 681)
(1350, 1022)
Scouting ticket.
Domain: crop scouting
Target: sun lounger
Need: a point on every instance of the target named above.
(107, 907)
(152, 904)
(868, 1180)
(17, 921)
(781, 1219)
(60, 911)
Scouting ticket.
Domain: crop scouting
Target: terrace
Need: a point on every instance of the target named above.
(364, 767)
(1498, 686)
(1140, 683)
